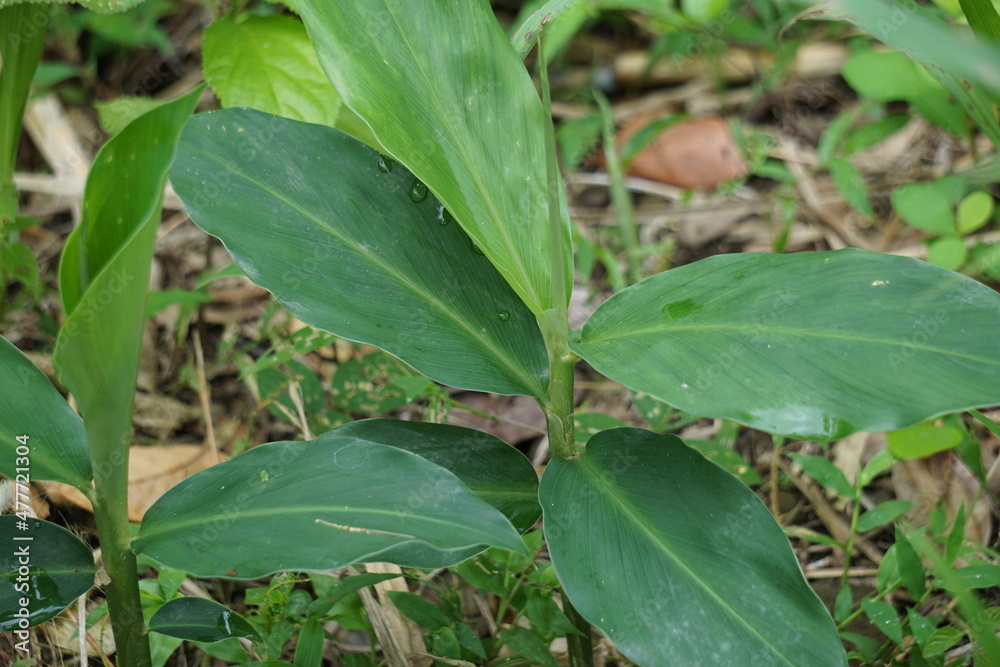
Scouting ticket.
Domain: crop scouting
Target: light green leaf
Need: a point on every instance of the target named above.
(527, 35)
(923, 439)
(267, 63)
(315, 506)
(929, 206)
(884, 617)
(974, 211)
(116, 114)
(851, 185)
(457, 108)
(753, 338)
(703, 11)
(104, 269)
(489, 467)
(941, 640)
(882, 514)
(58, 568)
(30, 406)
(947, 253)
(878, 464)
(333, 231)
(650, 542)
(199, 620)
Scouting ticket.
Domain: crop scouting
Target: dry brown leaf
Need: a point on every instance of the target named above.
(152, 470)
(696, 154)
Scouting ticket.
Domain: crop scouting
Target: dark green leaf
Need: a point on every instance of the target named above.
(489, 467)
(53, 434)
(201, 620)
(526, 643)
(341, 243)
(911, 571)
(456, 106)
(826, 473)
(423, 612)
(942, 640)
(651, 543)
(752, 338)
(309, 645)
(315, 506)
(45, 568)
(884, 617)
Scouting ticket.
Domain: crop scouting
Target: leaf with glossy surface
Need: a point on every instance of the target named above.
(816, 345)
(267, 63)
(30, 406)
(676, 561)
(58, 568)
(101, 6)
(490, 468)
(456, 106)
(199, 620)
(332, 230)
(315, 506)
(104, 269)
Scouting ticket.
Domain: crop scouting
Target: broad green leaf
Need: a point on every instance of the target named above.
(315, 506)
(104, 269)
(816, 345)
(116, 114)
(725, 458)
(489, 467)
(267, 63)
(332, 230)
(676, 561)
(826, 473)
(200, 620)
(852, 185)
(310, 643)
(910, 29)
(456, 107)
(923, 439)
(44, 565)
(30, 406)
(882, 514)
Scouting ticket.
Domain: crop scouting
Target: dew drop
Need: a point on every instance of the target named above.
(443, 215)
(476, 249)
(384, 164)
(503, 315)
(418, 191)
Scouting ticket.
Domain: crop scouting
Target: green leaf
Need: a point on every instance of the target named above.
(985, 575)
(44, 566)
(676, 561)
(267, 63)
(852, 185)
(489, 467)
(458, 109)
(929, 206)
(116, 114)
(947, 253)
(983, 19)
(882, 514)
(727, 459)
(527, 35)
(329, 227)
(102, 6)
(315, 506)
(826, 473)
(753, 338)
(53, 433)
(921, 628)
(200, 620)
(923, 439)
(703, 11)
(884, 617)
(941, 640)
(309, 645)
(911, 571)
(879, 463)
(104, 270)
(423, 612)
(526, 643)
(974, 211)
(874, 132)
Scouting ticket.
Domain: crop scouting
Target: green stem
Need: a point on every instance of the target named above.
(619, 195)
(580, 647)
(22, 35)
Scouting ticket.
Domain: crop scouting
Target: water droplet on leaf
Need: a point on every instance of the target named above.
(443, 215)
(476, 249)
(384, 164)
(503, 315)
(418, 191)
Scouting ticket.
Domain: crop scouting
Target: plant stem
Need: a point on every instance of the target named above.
(22, 35)
(619, 195)
(580, 647)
